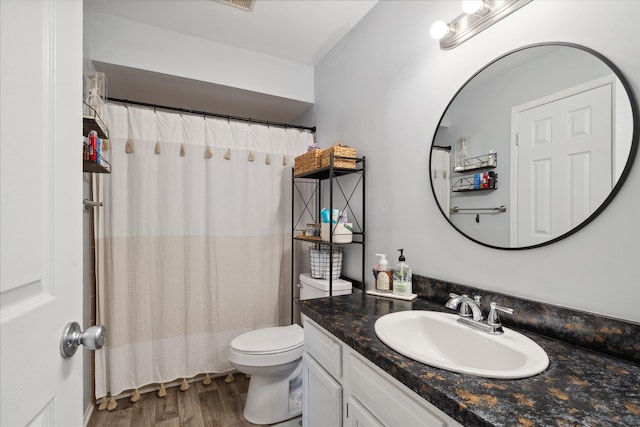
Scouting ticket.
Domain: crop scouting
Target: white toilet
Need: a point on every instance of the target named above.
(273, 358)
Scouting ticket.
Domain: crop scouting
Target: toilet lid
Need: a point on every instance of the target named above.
(276, 339)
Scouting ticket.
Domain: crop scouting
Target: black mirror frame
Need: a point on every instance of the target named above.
(627, 168)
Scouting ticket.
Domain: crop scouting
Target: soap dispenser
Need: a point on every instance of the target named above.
(402, 276)
(384, 281)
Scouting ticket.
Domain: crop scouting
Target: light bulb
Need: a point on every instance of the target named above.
(471, 7)
(440, 29)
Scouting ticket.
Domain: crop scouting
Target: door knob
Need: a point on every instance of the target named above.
(72, 336)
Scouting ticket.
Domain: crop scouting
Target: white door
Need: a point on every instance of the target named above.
(41, 210)
(564, 163)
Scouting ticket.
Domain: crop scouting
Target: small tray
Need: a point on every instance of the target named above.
(392, 295)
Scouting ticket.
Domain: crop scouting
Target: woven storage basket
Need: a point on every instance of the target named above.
(338, 151)
(307, 162)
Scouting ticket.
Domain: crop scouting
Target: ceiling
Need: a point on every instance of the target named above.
(303, 31)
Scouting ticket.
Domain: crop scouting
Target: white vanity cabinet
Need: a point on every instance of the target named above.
(321, 378)
(359, 416)
(341, 387)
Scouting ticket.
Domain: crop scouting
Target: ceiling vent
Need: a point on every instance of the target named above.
(246, 5)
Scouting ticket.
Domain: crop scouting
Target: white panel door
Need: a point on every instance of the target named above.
(40, 210)
(564, 163)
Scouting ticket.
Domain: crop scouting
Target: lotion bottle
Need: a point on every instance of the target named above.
(402, 277)
(384, 281)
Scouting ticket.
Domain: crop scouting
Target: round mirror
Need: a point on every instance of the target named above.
(534, 146)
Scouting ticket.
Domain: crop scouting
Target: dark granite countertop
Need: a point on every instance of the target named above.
(581, 387)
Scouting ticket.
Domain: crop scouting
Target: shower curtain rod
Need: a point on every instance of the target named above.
(205, 113)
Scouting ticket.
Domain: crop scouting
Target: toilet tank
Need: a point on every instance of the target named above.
(318, 288)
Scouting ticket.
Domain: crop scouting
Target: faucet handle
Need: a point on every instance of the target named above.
(493, 319)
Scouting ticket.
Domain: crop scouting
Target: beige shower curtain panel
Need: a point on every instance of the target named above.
(192, 242)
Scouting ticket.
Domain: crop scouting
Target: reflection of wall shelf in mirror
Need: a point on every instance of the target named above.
(467, 184)
(486, 161)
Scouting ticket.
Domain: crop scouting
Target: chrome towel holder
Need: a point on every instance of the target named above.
(88, 204)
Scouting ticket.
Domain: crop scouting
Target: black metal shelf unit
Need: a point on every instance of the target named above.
(317, 181)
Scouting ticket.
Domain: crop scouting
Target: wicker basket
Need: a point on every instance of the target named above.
(338, 151)
(307, 162)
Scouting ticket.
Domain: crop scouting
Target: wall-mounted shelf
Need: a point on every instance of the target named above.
(477, 163)
(100, 165)
(95, 167)
(91, 121)
(468, 184)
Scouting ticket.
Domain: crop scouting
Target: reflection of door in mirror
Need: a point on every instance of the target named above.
(563, 167)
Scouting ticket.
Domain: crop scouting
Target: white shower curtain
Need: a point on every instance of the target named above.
(441, 177)
(192, 243)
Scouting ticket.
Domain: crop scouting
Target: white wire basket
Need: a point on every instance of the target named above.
(320, 261)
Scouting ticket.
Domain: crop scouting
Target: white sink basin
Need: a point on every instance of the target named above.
(437, 339)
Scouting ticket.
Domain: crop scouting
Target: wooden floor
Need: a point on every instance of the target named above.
(218, 404)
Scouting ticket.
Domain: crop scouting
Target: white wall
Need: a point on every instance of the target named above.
(123, 42)
(383, 90)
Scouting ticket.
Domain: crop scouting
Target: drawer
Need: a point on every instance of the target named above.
(323, 347)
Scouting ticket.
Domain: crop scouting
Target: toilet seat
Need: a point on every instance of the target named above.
(268, 346)
(271, 340)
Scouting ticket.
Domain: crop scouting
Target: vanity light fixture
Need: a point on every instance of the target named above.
(478, 15)
(475, 7)
(440, 29)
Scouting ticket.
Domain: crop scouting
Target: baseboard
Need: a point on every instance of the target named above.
(87, 414)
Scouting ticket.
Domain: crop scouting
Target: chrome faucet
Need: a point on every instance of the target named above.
(466, 306)
(463, 304)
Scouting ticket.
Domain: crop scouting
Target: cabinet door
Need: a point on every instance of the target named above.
(322, 396)
(389, 401)
(359, 416)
